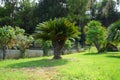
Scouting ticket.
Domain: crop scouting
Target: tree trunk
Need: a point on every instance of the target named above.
(97, 45)
(77, 45)
(4, 52)
(23, 53)
(57, 46)
(82, 39)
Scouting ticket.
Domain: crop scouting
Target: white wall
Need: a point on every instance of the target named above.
(15, 54)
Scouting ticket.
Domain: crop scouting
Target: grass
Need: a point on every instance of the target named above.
(79, 66)
(92, 67)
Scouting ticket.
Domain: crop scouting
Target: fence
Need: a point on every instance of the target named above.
(15, 54)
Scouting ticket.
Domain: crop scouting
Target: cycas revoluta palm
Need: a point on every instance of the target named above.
(95, 34)
(57, 30)
(114, 32)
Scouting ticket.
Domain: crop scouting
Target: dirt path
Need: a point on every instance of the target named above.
(45, 73)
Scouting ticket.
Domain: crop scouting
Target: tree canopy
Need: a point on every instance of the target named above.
(47, 14)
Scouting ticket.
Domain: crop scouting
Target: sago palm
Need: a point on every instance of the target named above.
(114, 32)
(57, 30)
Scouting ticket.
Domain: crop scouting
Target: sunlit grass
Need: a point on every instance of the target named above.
(78, 66)
(91, 66)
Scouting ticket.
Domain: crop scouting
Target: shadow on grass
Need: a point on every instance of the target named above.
(39, 63)
(114, 56)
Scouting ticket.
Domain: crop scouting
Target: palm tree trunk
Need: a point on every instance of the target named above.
(97, 45)
(57, 46)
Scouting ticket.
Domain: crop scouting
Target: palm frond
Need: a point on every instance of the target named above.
(57, 29)
(114, 32)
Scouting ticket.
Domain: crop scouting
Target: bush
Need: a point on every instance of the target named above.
(45, 45)
(68, 46)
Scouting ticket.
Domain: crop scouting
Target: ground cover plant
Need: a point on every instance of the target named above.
(79, 66)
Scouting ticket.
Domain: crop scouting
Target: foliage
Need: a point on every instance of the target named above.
(10, 37)
(58, 31)
(19, 31)
(45, 45)
(23, 43)
(107, 12)
(7, 11)
(114, 32)
(7, 36)
(27, 14)
(95, 34)
(50, 9)
(111, 47)
(24, 17)
(68, 45)
(18, 13)
(77, 13)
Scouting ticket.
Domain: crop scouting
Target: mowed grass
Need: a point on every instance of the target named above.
(77, 66)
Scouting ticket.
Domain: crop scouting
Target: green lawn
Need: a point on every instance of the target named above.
(78, 66)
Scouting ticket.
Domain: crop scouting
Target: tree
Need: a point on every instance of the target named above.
(9, 8)
(24, 16)
(23, 41)
(50, 9)
(10, 37)
(4, 18)
(108, 4)
(95, 34)
(18, 13)
(57, 30)
(114, 32)
(7, 38)
(77, 13)
(107, 12)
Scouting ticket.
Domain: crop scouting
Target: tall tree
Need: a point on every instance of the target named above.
(104, 10)
(77, 13)
(9, 8)
(4, 18)
(50, 9)
(24, 16)
(18, 13)
(107, 12)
